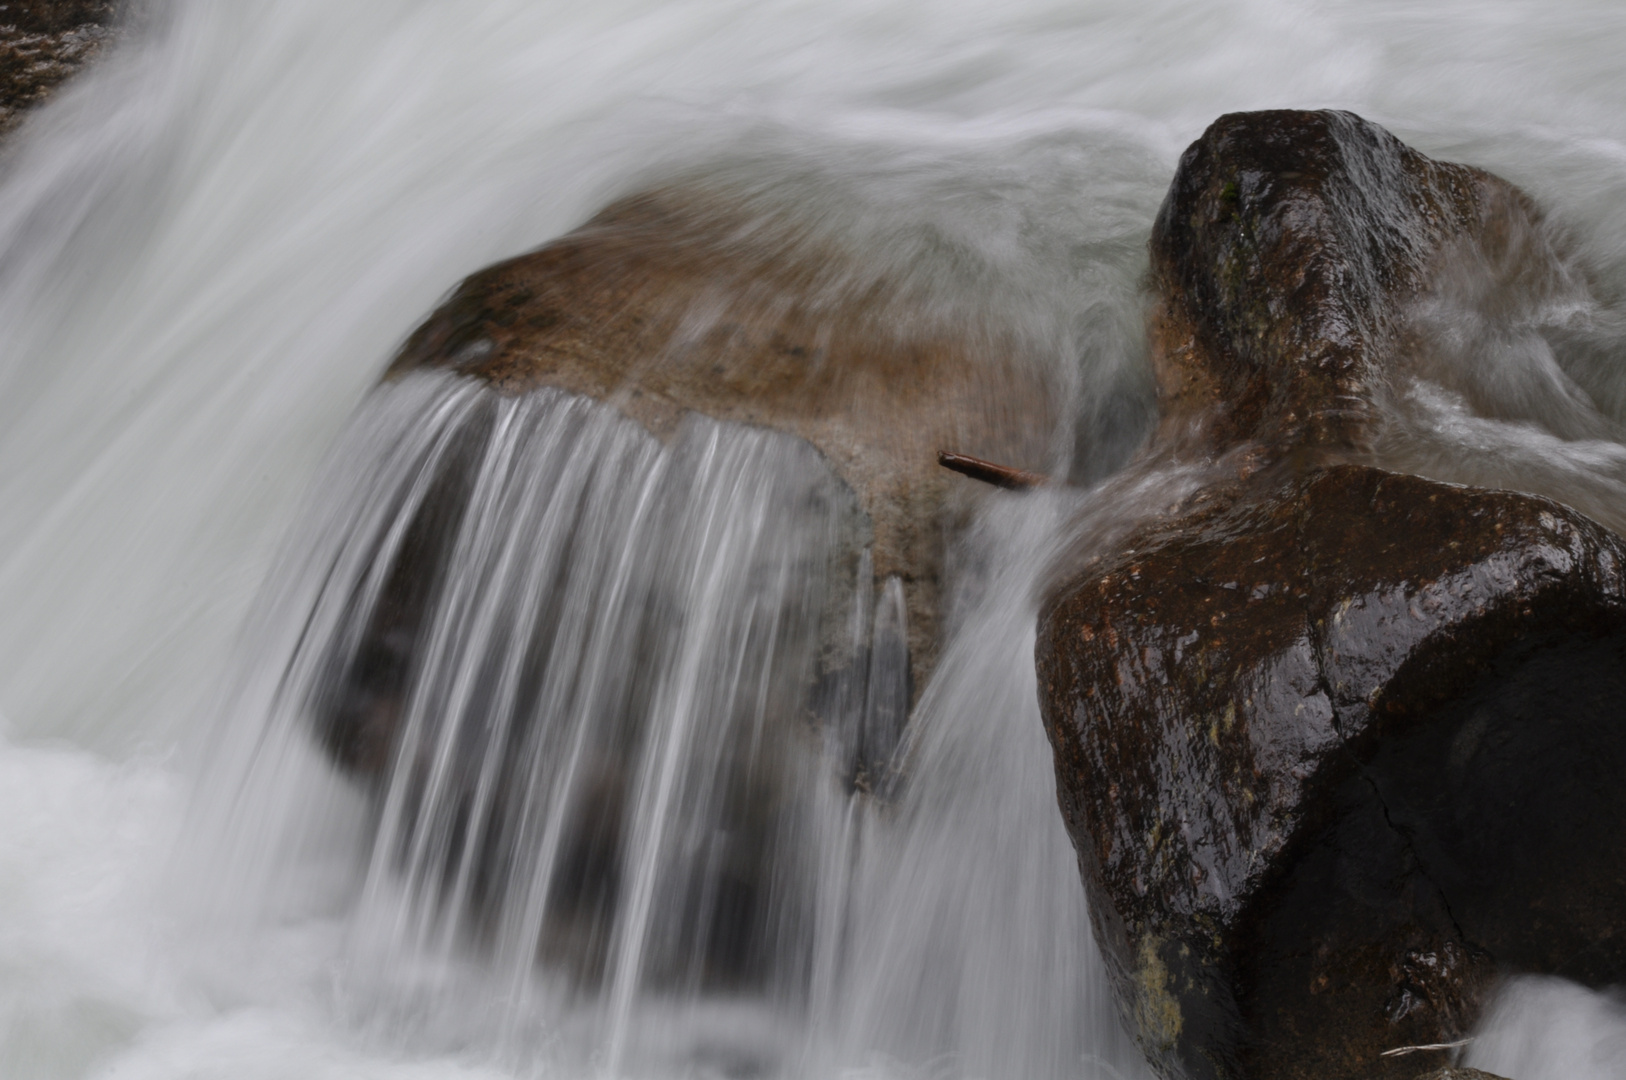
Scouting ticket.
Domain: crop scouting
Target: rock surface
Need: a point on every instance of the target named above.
(42, 43)
(745, 309)
(1334, 744)
(737, 306)
(1283, 261)
(692, 299)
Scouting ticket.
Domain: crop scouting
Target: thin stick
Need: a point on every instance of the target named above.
(989, 473)
(1399, 1050)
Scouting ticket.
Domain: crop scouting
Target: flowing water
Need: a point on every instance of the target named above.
(209, 247)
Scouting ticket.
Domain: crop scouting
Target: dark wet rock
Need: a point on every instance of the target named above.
(1335, 745)
(42, 43)
(1284, 260)
(1459, 1073)
(1308, 755)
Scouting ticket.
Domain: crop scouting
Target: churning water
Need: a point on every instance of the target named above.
(208, 249)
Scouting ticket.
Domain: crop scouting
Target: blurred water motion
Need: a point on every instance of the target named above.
(212, 245)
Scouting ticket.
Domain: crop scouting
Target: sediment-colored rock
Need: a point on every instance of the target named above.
(742, 308)
(736, 305)
(1334, 744)
(690, 299)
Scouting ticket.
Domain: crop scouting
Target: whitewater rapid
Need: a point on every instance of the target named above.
(210, 245)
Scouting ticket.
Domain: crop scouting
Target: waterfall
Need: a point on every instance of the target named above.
(215, 864)
(630, 716)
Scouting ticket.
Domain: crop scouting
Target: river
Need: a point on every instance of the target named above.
(211, 244)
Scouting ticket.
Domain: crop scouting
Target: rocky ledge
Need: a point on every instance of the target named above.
(699, 298)
(743, 306)
(1336, 746)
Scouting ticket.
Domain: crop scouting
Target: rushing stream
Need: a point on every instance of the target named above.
(209, 248)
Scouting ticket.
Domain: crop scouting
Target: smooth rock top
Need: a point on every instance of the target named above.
(689, 298)
(1282, 260)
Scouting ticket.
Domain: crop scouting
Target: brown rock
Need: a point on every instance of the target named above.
(733, 304)
(690, 298)
(1282, 263)
(728, 302)
(1335, 745)
(42, 43)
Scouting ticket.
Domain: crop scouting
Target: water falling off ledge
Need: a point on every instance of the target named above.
(625, 778)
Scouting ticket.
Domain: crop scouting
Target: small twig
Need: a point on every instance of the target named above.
(989, 473)
(1399, 1050)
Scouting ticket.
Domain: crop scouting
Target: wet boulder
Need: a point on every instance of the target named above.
(787, 377)
(42, 43)
(700, 297)
(1335, 744)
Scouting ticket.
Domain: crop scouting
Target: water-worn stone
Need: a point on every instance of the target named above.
(741, 307)
(732, 304)
(1459, 1073)
(42, 43)
(1283, 260)
(690, 299)
(1335, 745)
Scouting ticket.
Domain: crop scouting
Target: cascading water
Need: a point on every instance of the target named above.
(209, 247)
(629, 714)
(598, 759)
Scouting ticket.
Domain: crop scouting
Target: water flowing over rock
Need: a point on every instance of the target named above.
(640, 558)
(698, 299)
(592, 749)
(707, 301)
(1336, 746)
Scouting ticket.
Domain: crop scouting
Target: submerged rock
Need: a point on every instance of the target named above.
(695, 299)
(1336, 746)
(42, 43)
(798, 387)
